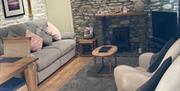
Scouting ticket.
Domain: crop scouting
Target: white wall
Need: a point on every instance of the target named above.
(59, 13)
(38, 9)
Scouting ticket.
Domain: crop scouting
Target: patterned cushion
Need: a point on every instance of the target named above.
(47, 39)
(36, 41)
(159, 57)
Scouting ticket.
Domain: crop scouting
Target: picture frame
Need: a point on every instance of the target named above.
(13, 8)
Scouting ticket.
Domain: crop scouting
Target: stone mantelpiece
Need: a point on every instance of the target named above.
(119, 14)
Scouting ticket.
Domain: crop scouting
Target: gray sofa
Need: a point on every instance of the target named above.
(53, 55)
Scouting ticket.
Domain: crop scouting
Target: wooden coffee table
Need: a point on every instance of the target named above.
(110, 53)
(26, 65)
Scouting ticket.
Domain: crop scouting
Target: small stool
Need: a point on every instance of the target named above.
(82, 42)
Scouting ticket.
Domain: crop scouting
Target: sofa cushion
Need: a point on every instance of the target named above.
(151, 84)
(46, 57)
(158, 58)
(63, 45)
(68, 35)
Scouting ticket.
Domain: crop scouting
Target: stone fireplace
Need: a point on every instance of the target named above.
(84, 14)
(127, 31)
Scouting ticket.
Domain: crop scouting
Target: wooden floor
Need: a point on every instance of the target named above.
(63, 75)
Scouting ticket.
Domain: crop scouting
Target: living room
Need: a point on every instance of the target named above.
(89, 45)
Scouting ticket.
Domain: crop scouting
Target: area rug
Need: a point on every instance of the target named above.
(87, 80)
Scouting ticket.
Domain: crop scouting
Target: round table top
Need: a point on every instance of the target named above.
(110, 52)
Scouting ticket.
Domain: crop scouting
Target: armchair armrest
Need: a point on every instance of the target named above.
(126, 76)
(68, 35)
(144, 59)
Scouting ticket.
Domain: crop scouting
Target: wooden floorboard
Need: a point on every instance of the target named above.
(63, 75)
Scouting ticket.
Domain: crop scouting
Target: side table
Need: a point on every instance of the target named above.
(26, 65)
(82, 42)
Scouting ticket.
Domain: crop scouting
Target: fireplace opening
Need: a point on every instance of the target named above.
(120, 38)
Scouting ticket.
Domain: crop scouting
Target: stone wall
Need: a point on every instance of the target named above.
(84, 12)
(164, 5)
(38, 8)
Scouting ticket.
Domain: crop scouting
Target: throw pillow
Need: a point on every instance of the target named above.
(53, 31)
(156, 62)
(151, 84)
(40, 23)
(16, 30)
(12, 34)
(47, 39)
(154, 58)
(36, 41)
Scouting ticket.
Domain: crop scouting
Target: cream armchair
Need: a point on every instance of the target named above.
(171, 79)
(128, 78)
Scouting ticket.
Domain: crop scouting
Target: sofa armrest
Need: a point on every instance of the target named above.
(68, 35)
(144, 59)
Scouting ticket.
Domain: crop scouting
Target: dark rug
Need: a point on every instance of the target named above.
(87, 79)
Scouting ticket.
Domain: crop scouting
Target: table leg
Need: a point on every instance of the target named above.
(102, 67)
(110, 66)
(94, 44)
(115, 58)
(103, 62)
(30, 76)
(81, 49)
(92, 48)
(95, 60)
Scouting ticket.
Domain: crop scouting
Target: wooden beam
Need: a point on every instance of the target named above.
(30, 8)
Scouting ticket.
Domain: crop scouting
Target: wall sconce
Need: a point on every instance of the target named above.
(30, 8)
